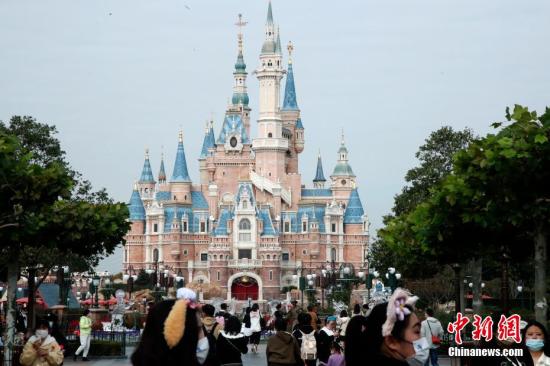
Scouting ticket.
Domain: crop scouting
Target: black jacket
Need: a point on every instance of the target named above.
(324, 342)
(230, 348)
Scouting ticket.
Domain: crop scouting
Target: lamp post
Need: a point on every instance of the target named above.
(180, 280)
(95, 282)
(393, 276)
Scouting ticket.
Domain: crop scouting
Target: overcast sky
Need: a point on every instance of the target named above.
(118, 76)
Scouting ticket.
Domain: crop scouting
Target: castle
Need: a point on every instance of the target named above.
(250, 225)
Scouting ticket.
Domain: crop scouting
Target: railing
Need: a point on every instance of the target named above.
(198, 264)
(265, 184)
(290, 264)
(244, 263)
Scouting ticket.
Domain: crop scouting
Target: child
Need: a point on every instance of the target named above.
(336, 357)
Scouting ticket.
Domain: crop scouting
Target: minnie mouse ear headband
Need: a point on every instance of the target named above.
(174, 325)
(397, 309)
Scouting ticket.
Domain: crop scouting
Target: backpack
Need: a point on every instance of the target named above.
(308, 349)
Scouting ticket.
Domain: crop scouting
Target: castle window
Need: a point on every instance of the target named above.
(333, 227)
(218, 275)
(285, 257)
(287, 226)
(270, 135)
(245, 233)
(185, 252)
(215, 257)
(268, 257)
(333, 254)
(204, 257)
(155, 228)
(175, 198)
(344, 182)
(245, 204)
(233, 141)
(185, 198)
(185, 228)
(304, 226)
(304, 252)
(271, 275)
(155, 255)
(245, 253)
(203, 227)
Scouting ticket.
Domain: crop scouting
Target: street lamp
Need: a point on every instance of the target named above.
(95, 282)
(392, 276)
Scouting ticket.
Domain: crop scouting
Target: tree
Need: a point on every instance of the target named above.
(70, 223)
(435, 158)
(495, 201)
(436, 162)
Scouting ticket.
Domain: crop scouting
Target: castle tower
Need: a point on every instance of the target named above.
(180, 183)
(207, 144)
(146, 183)
(239, 100)
(270, 146)
(319, 180)
(342, 178)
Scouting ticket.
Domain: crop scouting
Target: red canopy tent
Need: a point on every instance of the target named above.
(25, 300)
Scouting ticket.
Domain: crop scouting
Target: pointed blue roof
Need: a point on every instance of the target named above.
(233, 124)
(299, 123)
(278, 48)
(147, 172)
(354, 209)
(137, 211)
(162, 172)
(319, 175)
(180, 173)
(269, 14)
(208, 142)
(289, 103)
(268, 229)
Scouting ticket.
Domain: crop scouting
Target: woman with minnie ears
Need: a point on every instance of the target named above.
(174, 334)
(392, 334)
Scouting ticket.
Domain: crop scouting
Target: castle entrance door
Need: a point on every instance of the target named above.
(244, 287)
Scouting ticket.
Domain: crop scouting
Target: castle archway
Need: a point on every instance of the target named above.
(245, 285)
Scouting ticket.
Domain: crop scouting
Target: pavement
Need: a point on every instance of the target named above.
(250, 359)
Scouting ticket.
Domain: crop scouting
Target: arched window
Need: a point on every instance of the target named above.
(244, 224)
(268, 257)
(245, 230)
(155, 255)
(333, 254)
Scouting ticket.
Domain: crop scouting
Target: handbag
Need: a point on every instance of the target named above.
(435, 339)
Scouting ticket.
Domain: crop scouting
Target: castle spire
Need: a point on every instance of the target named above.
(135, 206)
(269, 14)
(146, 173)
(342, 167)
(270, 45)
(319, 180)
(289, 103)
(240, 94)
(180, 173)
(209, 139)
(278, 48)
(162, 172)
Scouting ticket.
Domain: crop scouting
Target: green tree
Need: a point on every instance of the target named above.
(75, 225)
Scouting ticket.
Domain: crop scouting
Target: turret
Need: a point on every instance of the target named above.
(180, 183)
(207, 145)
(146, 183)
(319, 180)
(343, 178)
(137, 212)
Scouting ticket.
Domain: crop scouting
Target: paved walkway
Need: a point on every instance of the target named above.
(250, 359)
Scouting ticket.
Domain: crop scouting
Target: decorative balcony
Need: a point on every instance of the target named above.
(198, 264)
(244, 263)
(290, 264)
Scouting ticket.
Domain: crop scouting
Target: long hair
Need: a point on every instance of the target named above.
(354, 340)
(546, 349)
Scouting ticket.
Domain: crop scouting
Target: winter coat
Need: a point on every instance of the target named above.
(211, 323)
(325, 337)
(436, 330)
(255, 325)
(342, 324)
(230, 347)
(282, 349)
(30, 357)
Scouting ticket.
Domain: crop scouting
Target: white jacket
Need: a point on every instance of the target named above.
(255, 321)
(436, 330)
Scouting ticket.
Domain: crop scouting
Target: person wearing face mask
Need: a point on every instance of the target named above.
(535, 339)
(41, 349)
(392, 335)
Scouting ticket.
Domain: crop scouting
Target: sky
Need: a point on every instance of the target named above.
(117, 77)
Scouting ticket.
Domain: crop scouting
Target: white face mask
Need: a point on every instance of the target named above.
(41, 333)
(422, 352)
(202, 350)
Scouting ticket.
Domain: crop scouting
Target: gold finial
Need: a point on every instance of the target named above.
(161, 152)
(240, 23)
(290, 48)
(135, 186)
(147, 153)
(180, 136)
